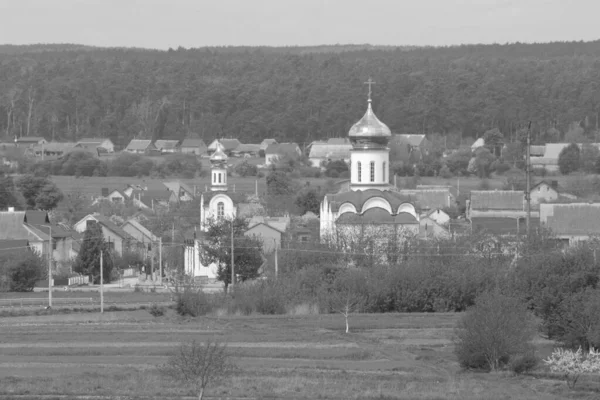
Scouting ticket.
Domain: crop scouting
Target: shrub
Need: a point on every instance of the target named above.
(245, 169)
(523, 363)
(492, 332)
(569, 159)
(192, 302)
(156, 311)
(572, 364)
(23, 269)
(445, 172)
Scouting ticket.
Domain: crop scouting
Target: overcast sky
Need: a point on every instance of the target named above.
(195, 23)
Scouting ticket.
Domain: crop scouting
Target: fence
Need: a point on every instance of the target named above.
(43, 301)
(79, 280)
(129, 272)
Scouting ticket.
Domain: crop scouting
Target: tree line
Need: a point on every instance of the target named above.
(296, 94)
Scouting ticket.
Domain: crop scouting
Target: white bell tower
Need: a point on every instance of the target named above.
(218, 161)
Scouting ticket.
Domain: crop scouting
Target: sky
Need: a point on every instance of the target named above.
(162, 24)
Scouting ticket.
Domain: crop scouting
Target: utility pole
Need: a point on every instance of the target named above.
(101, 282)
(232, 262)
(276, 261)
(50, 268)
(160, 259)
(528, 175)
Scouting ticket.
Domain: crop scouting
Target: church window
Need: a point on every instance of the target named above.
(383, 171)
(220, 210)
(372, 171)
(359, 171)
(219, 177)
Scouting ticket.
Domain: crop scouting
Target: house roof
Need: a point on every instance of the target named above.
(359, 197)
(228, 144)
(30, 139)
(502, 225)
(271, 226)
(430, 198)
(413, 140)
(36, 217)
(266, 142)
(12, 226)
(14, 244)
(330, 151)
(190, 142)
(166, 144)
(95, 140)
(139, 144)
(177, 186)
(537, 151)
(137, 225)
(497, 200)
(279, 223)
(111, 226)
(290, 149)
(57, 230)
(247, 148)
(571, 219)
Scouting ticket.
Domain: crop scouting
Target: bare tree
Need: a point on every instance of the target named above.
(346, 296)
(198, 365)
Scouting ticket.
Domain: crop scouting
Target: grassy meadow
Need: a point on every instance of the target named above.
(385, 356)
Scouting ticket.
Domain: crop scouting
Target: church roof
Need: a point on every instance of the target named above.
(376, 215)
(369, 126)
(359, 197)
(219, 153)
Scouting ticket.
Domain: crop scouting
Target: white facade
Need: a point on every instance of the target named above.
(369, 169)
(193, 265)
(543, 193)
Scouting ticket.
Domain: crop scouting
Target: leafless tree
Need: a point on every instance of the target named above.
(346, 296)
(198, 365)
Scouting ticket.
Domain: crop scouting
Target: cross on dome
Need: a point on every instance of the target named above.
(370, 82)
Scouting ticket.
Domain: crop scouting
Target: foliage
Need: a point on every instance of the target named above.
(589, 155)
(494, 140)
(192, 301)
(482, 163)
(492, 332)
(22, 268)
(569, 159)
(458, 162)
(346, 294)
(127, 164)
(246, 250)
(245, 168)
(337, 166)
(445, 172)
(79, 163)
(39, 192)
(8, 193)
(278, 184)
(156, 311)
(524, 363)
(309, 200)
(88, 260)
(577, 321)
(199, 365)
(572, 364)
(181, 165)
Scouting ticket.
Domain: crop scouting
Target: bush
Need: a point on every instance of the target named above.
(445, 172)
(523, 363)
(192, 302)
(492, 332)
(245, 169)
(156, 311)
(22, 269)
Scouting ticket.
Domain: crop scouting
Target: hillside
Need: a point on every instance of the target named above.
(294, 93)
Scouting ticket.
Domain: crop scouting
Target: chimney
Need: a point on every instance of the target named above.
(11, 209)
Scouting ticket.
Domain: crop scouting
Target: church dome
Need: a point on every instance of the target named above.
(219, 154)
(369, 126)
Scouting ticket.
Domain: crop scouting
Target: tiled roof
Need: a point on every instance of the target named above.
(112, 226)
(30, 139)
(413, 140)
(359, 197)
(290, 149)
(497, 200)
(139, 144)
(176, 187)
(137, 225)
(537, 151)
(376, 215)
(229, 144)
(165, 144)
(11, 225)
(571, 219)
(36, 217)
(430, 199)
(502, 225)
(193, 143)
(330, 151)
(266, 142)
(247, 148)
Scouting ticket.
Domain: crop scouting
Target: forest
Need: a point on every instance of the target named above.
(65, 92)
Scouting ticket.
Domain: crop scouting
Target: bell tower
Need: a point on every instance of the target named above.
(218, 170)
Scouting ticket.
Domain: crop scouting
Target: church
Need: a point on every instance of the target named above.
(370, 209)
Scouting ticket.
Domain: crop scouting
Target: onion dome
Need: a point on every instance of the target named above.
(369, 126)
(219, 154)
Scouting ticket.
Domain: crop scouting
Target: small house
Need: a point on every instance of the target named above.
(27, 141)
(544, 192)
(95, 143)
(117, 239)
(183, 191)
(167, 146)
(193, 146)
(140, 146)
(246, 150)
(270, 236)
(571, 223)
(332, 150)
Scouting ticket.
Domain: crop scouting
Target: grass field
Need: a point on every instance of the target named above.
(386, 356)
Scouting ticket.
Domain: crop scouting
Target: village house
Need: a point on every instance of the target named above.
(269, 235)
(154, 199)
(167, 145)
(114, 195)
(409, 149)
(431, 199)
(246, 150)
(181, 190)
(95, 143)
(139, 146)
(544, 192)
(335, 149)
(276, 152)
(117, 239)
(228, 145)
(264, 144)
(571, 223)
(27, 141)
(548, 160)
(193, 146)
(430, 229)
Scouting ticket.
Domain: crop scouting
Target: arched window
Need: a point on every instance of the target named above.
(372, 171)
(219, 177)
(358, 168)
(383, 172)
(220, 210)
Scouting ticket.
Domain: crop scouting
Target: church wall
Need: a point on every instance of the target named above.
(365, 157)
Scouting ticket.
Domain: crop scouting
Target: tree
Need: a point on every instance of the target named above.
(245, 169)
(346, 294)
(8, 195)
(493, 331)
(572, 364)
(588, 157)
(494, 140)
(246, 252)
(483, 162)
(309, 200)
(24, 268)
(339, 166)
(39, 192)
(88, 260)
(199, 365)
(278, 183)
(569, 159)
(458, 162)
